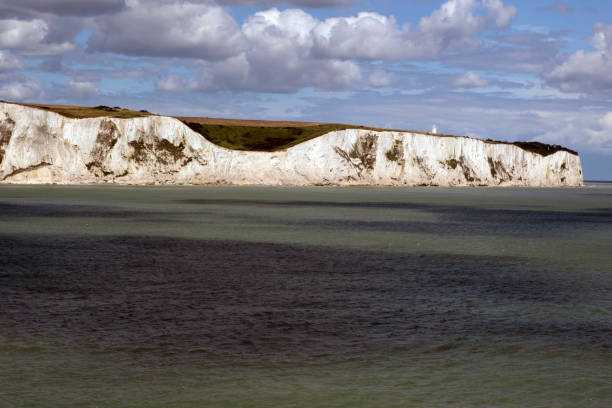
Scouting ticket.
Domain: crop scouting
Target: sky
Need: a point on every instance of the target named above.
(500, 69)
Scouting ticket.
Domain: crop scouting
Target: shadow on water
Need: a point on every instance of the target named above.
(595, 215)
(260, 301)
(13, 211)
(453, 220)
(450, 220)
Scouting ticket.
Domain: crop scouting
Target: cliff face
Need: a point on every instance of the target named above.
(37, 146)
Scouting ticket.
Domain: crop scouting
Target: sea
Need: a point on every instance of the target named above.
(227, 296)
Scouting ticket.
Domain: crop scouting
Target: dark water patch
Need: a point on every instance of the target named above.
(253, 300)
(299, 203)
(487, 227)
(450, 214)
(451, 219)
(595, 215)
(13, 211)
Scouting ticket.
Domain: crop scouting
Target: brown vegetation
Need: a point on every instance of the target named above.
(26, 169)
(105, 140)
(82, 112)
(362, 155)
(244, 122)
(542, 149)
(396, 153)
(6, 132)
(161, 151)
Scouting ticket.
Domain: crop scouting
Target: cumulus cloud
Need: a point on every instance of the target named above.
(373, 36)
(291, 49)
(368, 35)
(82, 88)
(205, 31)
(589, 72)
(281, 72)
(500, 13)
(278, 57)
(29, 37)
(273, 50)
(20, 90)
(469, 80)
(456, 21)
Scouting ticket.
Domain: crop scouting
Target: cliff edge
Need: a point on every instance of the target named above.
(39, 146)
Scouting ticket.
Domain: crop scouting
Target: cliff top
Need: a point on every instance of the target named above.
(81, 112)
(259, 135)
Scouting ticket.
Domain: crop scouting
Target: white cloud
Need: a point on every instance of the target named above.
(29, 37)
(502, 15)
(20, 90)
(255, 72)
(454, 16)
(469, 80)
(366, 36)
(370, 35)
(602, 39)
(287, 50)
(207, 31)
(279, 58)
(589, 72)
(277, 30)
(82, 89)
(458, 16)
(177, 29)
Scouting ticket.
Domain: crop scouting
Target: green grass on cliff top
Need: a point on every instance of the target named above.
(257, 135)
(263, 138)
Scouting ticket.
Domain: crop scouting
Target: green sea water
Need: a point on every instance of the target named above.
(118, 296)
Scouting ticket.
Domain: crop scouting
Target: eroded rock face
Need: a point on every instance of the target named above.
(106, 139)
(38, 146)
(6, 132)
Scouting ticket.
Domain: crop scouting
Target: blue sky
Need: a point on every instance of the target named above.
(500, 69)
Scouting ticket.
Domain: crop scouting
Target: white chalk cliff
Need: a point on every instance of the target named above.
(38, 146)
